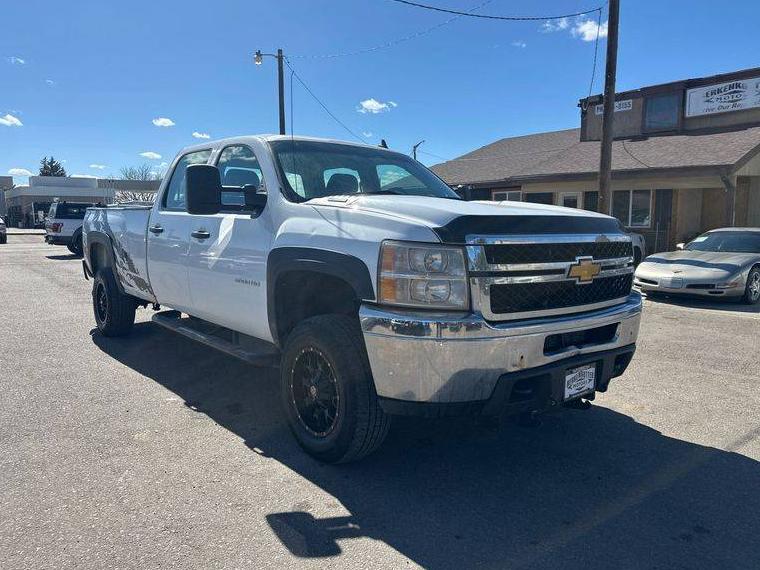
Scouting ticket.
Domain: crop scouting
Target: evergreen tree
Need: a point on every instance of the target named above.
(51, 167)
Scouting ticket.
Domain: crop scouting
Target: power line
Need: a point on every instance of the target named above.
(596, 51)
(491, 17)
(310, 92)
(392, 43)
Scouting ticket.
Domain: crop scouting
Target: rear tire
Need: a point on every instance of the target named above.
(752, 289)
(3, 239)
(114, 311)
(328, 392)
(75, 246)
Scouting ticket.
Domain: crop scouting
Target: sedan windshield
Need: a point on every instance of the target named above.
(738, 242)
(317, 169)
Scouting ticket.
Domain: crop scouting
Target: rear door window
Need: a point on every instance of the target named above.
(175, 197)
(70, 211)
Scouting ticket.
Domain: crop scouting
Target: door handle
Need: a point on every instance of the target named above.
(157, 229)
(201, 234)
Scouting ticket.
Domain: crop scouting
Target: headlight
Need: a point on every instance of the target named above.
(424, 276)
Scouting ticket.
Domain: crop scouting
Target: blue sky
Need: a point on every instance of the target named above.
(86, 81)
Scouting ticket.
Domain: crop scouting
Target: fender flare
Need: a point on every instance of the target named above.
(103, 239)
(346, 267)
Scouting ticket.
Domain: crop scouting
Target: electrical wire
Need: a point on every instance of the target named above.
(596, 52)
(491, 17)
(391, 43)
(310, 92)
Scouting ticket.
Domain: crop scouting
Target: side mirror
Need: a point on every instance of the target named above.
(254, 200)
(680, 246)
(203, 187)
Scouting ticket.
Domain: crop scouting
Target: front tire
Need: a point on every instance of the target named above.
(114, 311)
(328, 392)
(752, 289)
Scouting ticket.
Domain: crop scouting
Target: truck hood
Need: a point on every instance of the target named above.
(453, 220)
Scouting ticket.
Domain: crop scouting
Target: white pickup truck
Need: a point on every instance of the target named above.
(375, 289)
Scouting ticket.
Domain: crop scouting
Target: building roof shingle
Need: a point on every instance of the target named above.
(561, 154)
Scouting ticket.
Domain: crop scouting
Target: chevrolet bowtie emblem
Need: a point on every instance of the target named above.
(584, 270)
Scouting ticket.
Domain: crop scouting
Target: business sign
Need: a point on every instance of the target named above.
(625, 105)
(722, 98)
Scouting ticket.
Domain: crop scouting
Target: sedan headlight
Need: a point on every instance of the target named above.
(423, 276)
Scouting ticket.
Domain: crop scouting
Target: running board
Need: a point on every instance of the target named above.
(251, 350)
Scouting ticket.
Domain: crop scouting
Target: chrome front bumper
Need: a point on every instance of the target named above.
(448, 358)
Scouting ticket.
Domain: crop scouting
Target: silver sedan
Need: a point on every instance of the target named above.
(720, 263)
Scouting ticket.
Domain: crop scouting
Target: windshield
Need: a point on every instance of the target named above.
(317, 169)
(738, 242)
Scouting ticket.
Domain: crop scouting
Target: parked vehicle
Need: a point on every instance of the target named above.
(639, 248)
(372, 285)
(64, 225)
(720, 263)
(3, 232)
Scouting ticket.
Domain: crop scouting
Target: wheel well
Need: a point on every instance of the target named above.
(99, 257)
(303, 294)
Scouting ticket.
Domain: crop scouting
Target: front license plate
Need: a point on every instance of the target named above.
(580, 381)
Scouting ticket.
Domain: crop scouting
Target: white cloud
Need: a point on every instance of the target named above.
(98, 166)
(10, 121)
(163, 165)
(50, 82)
(555, 25)
(150, 154)
(587, 30)
(19, 172)
(519, 44)
(14, 60)
(374, 106)
(163, 122)
(367, 134)
(198, 135)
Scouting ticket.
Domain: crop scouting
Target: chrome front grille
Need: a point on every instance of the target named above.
(519, 277)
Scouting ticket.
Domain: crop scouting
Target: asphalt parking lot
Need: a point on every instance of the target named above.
(152, 451)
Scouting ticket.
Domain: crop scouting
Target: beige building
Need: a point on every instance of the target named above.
(27, 206)
(686, 158)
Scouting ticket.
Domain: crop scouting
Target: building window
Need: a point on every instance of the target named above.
(633, 207)
(662, 112)
(500, 195)
(570, 199)
(591, 201)
(540, 197)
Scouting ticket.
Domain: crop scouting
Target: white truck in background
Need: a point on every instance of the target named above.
(372, 285)
(63, 225)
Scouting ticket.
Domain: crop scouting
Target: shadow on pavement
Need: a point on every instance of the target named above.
(587, 489)
(68, 257)
(727, 304)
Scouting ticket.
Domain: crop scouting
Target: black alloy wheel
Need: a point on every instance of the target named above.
(314, 392)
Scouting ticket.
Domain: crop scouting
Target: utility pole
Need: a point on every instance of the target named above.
(257, 59)
(605, 159)
(414, 149)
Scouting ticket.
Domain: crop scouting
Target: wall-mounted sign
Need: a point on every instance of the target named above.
(731, 96)
(625, 105)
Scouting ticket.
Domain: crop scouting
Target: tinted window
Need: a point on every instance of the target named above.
(740, 242)
(65, 211)
(238, 167)
(315, 169)
(174, 198)
(662, 112)
(591, 201)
